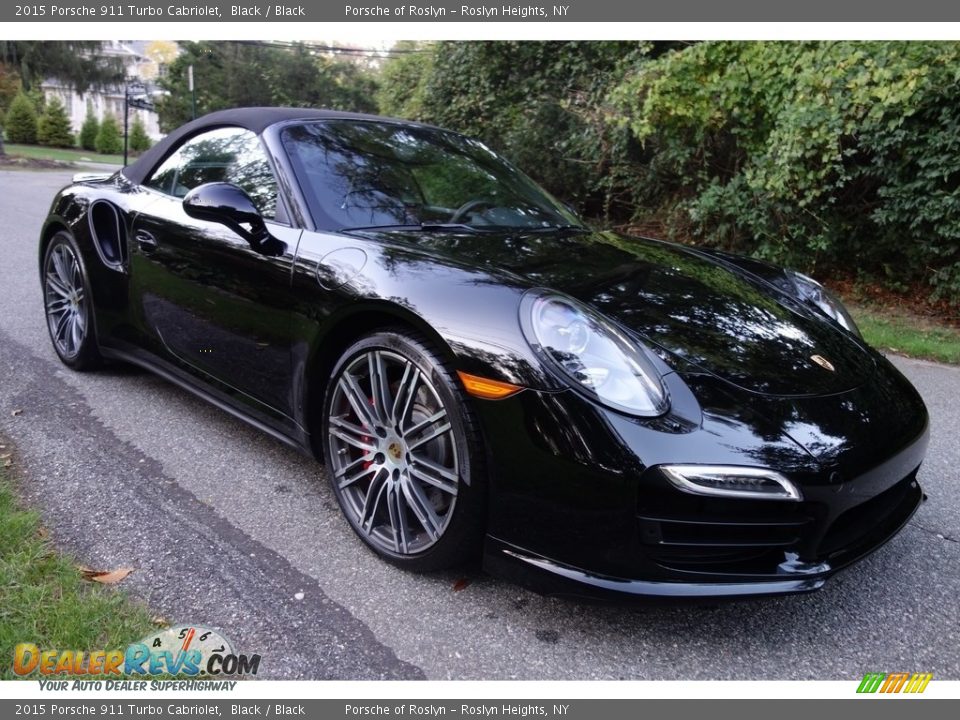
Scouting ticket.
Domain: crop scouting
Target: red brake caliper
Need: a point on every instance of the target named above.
(367, 453)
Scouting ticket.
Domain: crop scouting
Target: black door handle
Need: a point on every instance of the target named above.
(146, 241)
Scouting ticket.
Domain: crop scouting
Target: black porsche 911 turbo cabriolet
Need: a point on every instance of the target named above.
(606, 416)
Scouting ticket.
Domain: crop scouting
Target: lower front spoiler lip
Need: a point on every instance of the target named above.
(566, 581)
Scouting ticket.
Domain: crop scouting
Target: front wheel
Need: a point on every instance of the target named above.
(68, 304)
(403, 452)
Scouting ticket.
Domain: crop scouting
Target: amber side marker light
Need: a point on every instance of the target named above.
(487, 389)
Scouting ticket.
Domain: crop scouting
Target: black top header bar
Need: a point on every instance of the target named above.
(577, 11)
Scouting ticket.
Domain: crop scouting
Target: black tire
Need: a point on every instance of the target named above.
(396, 452)
(68, 304)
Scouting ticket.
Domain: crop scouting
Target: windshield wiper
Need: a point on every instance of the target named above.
(463, 227)
(555, 228)
(428, 227)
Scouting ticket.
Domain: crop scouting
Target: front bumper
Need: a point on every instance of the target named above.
(792, 575)
(579, 507)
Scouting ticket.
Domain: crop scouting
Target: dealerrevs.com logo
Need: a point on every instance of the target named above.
(911, 683)
(189, 650)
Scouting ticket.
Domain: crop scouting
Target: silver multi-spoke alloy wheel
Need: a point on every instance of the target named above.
(65, 301)
(393, 454)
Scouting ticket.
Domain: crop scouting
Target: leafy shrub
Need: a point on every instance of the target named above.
(21, 120)
(109, 141)
(139, 140)
(829, 154)
(53, 127)
(89, 130)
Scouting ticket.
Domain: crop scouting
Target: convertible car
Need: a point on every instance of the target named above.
(600, 415)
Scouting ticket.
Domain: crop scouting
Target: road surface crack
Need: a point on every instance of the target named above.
(942, 536)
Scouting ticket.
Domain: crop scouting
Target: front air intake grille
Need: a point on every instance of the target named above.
(886, 509)
(728, 544)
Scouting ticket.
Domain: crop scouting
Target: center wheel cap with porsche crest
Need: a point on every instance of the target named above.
(395, 451)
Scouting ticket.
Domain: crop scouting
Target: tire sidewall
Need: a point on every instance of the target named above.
(89, 355)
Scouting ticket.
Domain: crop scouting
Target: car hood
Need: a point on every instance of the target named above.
(724, 322)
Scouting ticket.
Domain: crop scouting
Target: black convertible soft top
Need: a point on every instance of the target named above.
(255, 119)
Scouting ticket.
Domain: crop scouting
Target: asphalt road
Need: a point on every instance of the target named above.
(227, 527)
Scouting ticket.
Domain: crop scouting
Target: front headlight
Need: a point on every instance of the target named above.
(592, 354)
(813, 293)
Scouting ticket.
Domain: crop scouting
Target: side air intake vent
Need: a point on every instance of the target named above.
(109, 234)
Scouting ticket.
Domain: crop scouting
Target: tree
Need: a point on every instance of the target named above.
(404, 80)
(238, 74)
(538, 103)
(162, 53)
(109, 141)
(21, 121)
(78, 64)
(89, 129)
(9, 88)
(53, 127)
(139, 140)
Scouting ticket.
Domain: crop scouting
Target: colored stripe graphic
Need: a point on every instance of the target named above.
(894, 682)
(871, 682)
(919, 682)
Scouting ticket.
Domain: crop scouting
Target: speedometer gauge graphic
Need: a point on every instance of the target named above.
(179, 650)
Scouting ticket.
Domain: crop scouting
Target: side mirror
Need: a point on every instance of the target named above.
(229, 205)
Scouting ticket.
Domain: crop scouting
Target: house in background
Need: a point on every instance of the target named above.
(138, 63)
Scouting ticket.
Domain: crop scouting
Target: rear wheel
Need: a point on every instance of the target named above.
(403, 452)
(68, 304)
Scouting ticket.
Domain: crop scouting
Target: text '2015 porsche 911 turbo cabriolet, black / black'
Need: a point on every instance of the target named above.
(604, 416)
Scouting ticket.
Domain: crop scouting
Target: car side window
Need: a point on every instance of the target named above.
(230, 155)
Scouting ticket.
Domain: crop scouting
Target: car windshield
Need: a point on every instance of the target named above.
(366, 174)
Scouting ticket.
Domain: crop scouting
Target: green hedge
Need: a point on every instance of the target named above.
(835, 157)
(839, 156)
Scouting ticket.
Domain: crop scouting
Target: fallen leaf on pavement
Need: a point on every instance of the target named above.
(106, 577)
(460, 584)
